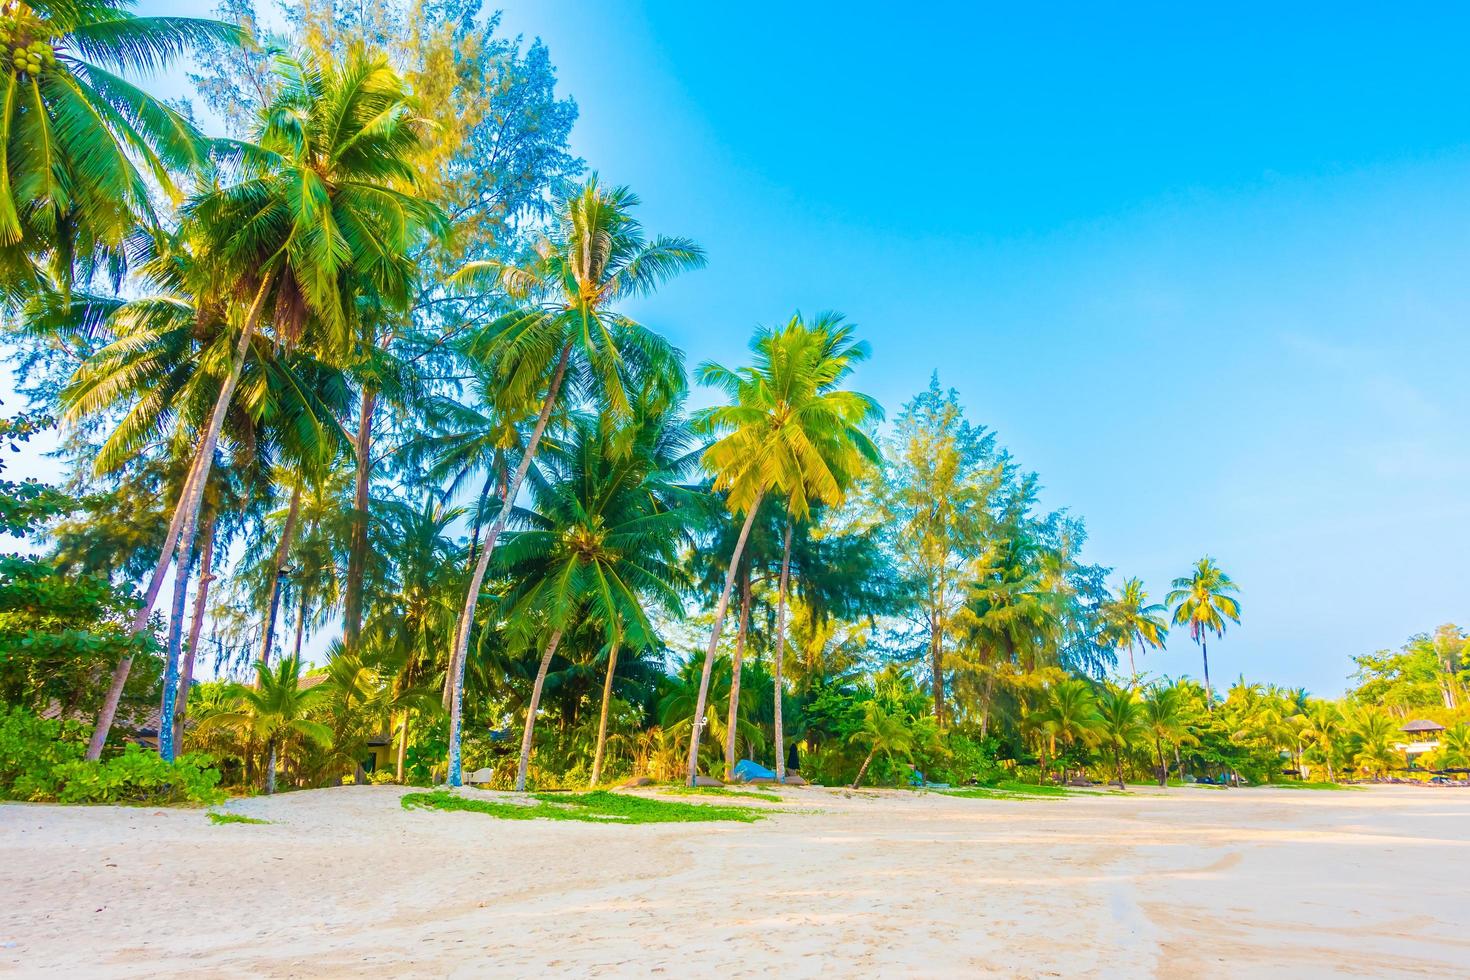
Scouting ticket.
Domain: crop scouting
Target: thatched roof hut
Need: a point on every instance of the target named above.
(1422, 726)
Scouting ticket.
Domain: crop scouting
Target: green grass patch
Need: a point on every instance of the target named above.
(1009, 789)
(748, 794)
(599, 806)
(223, 818)
(1331, 787)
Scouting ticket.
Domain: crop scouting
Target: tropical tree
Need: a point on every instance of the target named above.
(322, 215)
(1069, 715)
(789, 429)
(1164, 721)
(1323, 729)
(274, 713)
(565, 325)
(1135, 621)
(882, 733)
(1121, 722)
(79, 144)
(1205, 601)
(1373, 737)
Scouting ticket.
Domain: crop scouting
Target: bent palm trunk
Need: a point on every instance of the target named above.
(402, 746)
(781, 652)
(458, 654)
(531, 709)
(607, 686)
(863, 769)
(1204, 652)
(201, 601)
(189, 504)
(714, 638)
(733, 721)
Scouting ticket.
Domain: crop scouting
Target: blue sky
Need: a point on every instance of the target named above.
(1204, 270)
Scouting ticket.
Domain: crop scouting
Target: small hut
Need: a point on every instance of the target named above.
(1425, 738)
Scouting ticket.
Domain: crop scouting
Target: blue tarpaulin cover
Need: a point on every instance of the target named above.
(747, 770)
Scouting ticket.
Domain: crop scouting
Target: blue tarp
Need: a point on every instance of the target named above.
(746, 770)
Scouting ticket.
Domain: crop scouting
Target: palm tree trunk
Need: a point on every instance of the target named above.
(174, 647)
(607, 686)
(459, 653)
(1132, 670)
(1118, 767)
(1178, 762)
(278, 572)
(189, 503)
(201, 601)
(270, 772)
(402, 745)
(531, 709)
(714, 637)
(358, 545)
(936, 666)
(140, 618)
(1163, 765)
(780, 735)
(733, 720)
(300, 622)
(1204, 652)
(863, 769)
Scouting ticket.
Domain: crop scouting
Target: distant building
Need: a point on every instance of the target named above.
(1425, 735)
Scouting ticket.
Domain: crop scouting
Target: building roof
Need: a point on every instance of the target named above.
(1422, 725)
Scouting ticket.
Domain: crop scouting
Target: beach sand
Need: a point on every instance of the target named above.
(344, 882)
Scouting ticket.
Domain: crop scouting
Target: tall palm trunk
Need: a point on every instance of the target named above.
(300, 622)
(278, 572)
(531, 709)
(187, 509)
(1204, 652)
(460, 651)
(936, 666)
(733, 720)
(174, 648)
(357, 548)
(863, 769)
(201, 601)
(402, 745)
(714, 638)
(780, 734)
(270, 772)
(1132, 670)
(1163, 765)
(607, 686)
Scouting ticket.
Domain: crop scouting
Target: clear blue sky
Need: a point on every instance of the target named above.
(1203, 269)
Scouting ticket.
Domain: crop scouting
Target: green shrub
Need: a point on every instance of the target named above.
(381, 777)
(41, 760)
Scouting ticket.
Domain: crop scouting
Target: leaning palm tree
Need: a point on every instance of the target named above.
(792, 430)
(274, 711)
(79, 144)
(1136, 621)
(1204, 601)
(882, 732)
(322, 217)
(600, 549)
(566, 333)
(1069, 715)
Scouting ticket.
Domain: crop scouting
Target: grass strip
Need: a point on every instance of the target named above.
(223, 818)
(748, 794)
(596, 807)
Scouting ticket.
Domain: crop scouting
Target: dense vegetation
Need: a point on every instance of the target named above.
(356, 380)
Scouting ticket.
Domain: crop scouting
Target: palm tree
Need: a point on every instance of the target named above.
(599, 548)
(1135, 620)
(1373, 737)
(319, 218)
(1204, 601)
(882, 732)
(73, 134)
(1069, 714)
(274, 711)
(1454, 752)
(1121, 722)
(790, 429)
(1163, 719)
(595, 255)
(1323, 729)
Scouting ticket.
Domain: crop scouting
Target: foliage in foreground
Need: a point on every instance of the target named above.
(596, 807)
(41, 762)
(223, 818)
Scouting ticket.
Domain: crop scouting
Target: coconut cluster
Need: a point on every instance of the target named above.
(29, 55)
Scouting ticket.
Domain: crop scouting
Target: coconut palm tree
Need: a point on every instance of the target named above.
(882, 732)
(791, 430)
(1323, 729)
(1164, 721)
(1069, 715)
(1205, 601)
(601, 547)
(1373, 737)
(78, 142)
(565, 333)
(1136, 621)
(274, 712)
(1121, 723)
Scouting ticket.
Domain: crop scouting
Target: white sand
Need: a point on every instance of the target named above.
(1194, 883)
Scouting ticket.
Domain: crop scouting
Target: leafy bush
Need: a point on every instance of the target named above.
(969, 760)
(42, 760)
(381, 777)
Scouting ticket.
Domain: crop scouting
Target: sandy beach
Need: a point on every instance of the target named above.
(345, 882)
